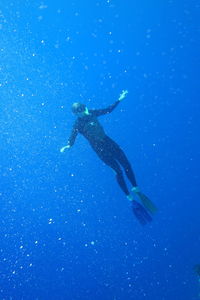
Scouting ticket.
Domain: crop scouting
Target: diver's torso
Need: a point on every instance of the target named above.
(91, 129)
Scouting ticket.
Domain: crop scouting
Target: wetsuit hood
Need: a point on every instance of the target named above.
(78, 107)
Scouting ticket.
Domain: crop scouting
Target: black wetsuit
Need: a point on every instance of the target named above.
(107, 150)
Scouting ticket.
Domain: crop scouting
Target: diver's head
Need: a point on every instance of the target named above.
(79, 109)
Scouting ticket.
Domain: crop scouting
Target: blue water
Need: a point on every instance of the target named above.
(67, 230)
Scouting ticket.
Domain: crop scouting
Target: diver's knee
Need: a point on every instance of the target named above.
(119, 173)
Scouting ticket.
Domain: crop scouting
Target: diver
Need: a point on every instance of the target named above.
(197, 269)
(110, 153)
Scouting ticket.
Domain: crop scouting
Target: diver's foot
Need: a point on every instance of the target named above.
(129, 197)
(140, 213)
(135, 189)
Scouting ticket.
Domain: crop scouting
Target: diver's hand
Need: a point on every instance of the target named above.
(123, 95)
(64, 148)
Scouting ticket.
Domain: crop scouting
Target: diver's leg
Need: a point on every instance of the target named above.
(139, 211)
(119, 175)
(122, 159)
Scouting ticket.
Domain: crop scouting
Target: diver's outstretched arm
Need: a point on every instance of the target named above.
(109, 109)
(123, 95)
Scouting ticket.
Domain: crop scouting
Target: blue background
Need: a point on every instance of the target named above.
(67, 230)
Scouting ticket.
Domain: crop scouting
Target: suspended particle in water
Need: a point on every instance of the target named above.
(42, 6)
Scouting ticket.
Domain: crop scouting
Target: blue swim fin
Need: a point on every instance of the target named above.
(148, 204)
(140, 213)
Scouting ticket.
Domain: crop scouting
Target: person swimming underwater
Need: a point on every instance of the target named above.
(110, 153)
(197, 269)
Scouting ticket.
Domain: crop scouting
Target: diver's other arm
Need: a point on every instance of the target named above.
(71, 139)
(64, 148)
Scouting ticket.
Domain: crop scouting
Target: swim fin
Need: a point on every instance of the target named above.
(140, 213)
(148, 204)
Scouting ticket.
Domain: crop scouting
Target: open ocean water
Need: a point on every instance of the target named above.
(67, 232)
